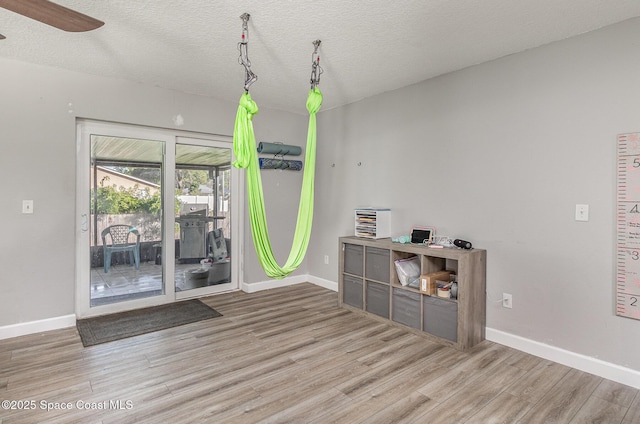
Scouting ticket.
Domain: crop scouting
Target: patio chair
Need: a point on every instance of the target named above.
(119, 236)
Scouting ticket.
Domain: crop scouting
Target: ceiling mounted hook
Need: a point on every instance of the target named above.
(243, 48)
(316, 69)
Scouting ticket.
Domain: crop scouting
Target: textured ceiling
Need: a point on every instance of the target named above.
(368, 46)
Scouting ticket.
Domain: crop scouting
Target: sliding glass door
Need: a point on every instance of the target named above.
(203, 219)
(125, 220)
(157, 217)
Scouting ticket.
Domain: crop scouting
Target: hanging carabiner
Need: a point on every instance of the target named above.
(243, 48)
(316, 69)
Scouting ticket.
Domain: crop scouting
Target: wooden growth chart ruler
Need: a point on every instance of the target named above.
(628, 227)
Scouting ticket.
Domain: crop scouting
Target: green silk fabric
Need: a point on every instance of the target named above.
(245, 150)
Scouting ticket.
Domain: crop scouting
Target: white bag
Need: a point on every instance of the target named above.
(408, 270)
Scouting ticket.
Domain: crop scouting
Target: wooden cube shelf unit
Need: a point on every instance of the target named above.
(368, 283)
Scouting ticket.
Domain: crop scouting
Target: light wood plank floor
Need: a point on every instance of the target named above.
(290, 355)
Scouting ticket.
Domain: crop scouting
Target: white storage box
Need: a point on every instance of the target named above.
(374, 223)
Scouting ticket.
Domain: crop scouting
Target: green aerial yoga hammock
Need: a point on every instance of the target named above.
(244, 148)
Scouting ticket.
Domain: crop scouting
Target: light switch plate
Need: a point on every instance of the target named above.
(582, 212)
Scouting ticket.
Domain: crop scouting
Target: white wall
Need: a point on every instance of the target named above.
(500, 154)
(38, 109)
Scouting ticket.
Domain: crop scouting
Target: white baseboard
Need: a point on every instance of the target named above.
(327, 284)
(578, 361)
(272, 284)
(31, 327)
(289, 281)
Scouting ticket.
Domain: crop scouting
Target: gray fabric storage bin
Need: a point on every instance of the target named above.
(406, 307)
(377, 264)
(440, 318)
(352, 291)
(353, 255)
(377, 299)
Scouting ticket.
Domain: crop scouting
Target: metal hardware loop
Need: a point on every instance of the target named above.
(316, 69)
(243, 48)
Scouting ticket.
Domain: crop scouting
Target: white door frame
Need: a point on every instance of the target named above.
(84, 130)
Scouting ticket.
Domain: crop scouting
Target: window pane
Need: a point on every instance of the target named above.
(126, 219)
(203, 236)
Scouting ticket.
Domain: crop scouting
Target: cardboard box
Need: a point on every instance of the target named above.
(428, 281)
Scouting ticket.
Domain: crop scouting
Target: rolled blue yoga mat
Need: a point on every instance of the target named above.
(292, 165)
(279, 149)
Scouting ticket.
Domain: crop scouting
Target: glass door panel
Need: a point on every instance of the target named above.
(125, 219)
(202, 218)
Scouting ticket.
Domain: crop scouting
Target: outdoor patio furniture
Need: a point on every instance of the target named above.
(120, 241)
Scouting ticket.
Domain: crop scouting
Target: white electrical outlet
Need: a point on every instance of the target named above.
(507, 300)
(27, 206)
